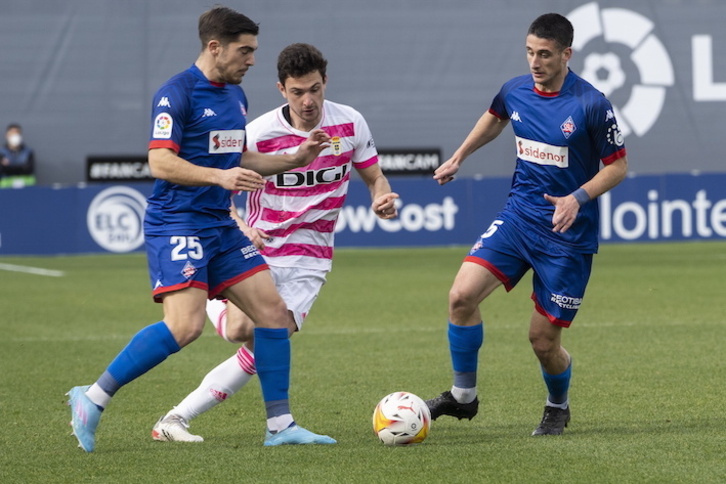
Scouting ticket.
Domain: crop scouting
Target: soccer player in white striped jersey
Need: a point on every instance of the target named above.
(291, 220)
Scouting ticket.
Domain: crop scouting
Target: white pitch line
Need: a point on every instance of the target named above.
(31, 270)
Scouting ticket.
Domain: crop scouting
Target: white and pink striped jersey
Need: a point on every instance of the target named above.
(299, 208)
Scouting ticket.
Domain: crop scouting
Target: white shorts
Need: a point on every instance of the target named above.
(299, 288)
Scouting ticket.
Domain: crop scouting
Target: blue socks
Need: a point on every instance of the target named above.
(464, 344)
(147, 348)
(558, 385)
(272, 358)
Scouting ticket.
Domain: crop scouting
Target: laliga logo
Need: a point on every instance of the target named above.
(115, 219)
(630, 33)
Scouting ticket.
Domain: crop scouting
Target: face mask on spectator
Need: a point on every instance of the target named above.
(15, 140)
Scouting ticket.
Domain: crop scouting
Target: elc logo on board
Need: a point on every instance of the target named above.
(115, 219)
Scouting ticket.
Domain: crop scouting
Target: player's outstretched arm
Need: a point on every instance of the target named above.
(486, 129)
(166, 165)
(265, 164)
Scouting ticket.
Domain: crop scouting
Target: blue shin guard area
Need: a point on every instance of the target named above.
(147, 348)
(272, 358)
(558, 385)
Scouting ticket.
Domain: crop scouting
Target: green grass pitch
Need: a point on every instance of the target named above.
(648, 392)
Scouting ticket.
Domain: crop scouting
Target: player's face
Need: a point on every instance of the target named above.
(547, 63)
(234, 59)
(305, 96)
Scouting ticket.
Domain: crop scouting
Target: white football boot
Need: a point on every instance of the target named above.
(173, 428)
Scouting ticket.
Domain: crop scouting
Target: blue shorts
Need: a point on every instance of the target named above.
(508, 250)
(211, 259)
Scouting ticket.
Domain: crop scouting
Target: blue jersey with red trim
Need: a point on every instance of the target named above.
(204, 123)
(561, 138)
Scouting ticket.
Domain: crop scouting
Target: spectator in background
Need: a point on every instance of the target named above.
(17, 161)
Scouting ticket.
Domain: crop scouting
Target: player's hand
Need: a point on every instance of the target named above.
(566, 210)
(311, 147)
(258, 237)
(385, 206)
(241, 179)
(445, 173)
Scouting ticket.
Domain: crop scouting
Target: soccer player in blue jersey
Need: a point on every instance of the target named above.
(563, 129)
(195, 249)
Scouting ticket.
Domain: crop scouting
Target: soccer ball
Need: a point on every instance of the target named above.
(401, 418)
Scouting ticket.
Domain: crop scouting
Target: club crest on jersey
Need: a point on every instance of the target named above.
(162, 126)
(336, 146)
(568, 127)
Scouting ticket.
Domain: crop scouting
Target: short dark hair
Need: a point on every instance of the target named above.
(553, 26)
(13, 126)
(297, 60)
(225, 25)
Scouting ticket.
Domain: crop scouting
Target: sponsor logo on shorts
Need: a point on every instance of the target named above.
(566, 302)
(476, 247)
(249, 251)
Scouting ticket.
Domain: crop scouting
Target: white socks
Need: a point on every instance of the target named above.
(217, 313)
(222, 382)
(98, 396)
(463, 395)
(563, 406)
(279, 423)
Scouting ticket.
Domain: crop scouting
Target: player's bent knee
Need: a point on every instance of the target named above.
(185, 334)
(241, 332)
(461, 302)
(544, 348)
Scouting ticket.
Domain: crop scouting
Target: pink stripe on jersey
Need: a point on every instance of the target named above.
(326, 226)
(367, 163)
(327, 161)
(253, 207)
(279, 143)
(277, 216)
(308, 250)
(342, 130)
(292, 140)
